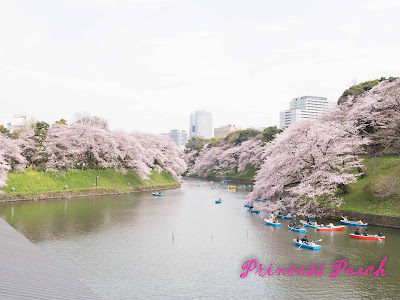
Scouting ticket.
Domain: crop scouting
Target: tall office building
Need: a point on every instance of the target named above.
(201, 124)
(303, 108)
(223, 131)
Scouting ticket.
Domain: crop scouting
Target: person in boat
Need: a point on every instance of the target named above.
(366, 232)
(312, 243)
(304, 240)
(298, 226)
(297, 239)
(357, 232)
(345, 218)
(322, 225)
(288, 215)
(362, 220)
(159, 193)
(330, 225)
(315, 223)
(308, 221)
(379, 233)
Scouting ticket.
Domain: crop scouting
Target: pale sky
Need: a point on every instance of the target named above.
(147, 64)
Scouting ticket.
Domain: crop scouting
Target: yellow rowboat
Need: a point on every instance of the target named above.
(231, 186)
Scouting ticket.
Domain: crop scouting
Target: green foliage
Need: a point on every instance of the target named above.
(4, 130)
(196, 143)
(269, 133)
(33, 181)
(61, 122)
(240, 136)
(39, 137)
(360, 88)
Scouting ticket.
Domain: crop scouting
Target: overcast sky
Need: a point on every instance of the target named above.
(147, 64)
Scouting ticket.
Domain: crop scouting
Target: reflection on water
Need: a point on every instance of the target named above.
(183, 245)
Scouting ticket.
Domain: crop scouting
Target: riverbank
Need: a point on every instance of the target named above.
(36, 185)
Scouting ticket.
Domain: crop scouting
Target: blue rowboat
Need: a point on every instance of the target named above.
(305, 224)
(280, 216)
(254, 211)
(217, 202)
(352, 223)
(158, 195)
(301, 230)
(272, 224)
(258, 200)
(214, 188)
(308, 246)
(247, 205)
(288, 218)
(311, 217)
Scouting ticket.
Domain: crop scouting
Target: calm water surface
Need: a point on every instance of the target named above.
(183, 245)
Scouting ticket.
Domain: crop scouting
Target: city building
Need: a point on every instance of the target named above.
(201, 124)
(180, 137)
(223, 131)
(303, 108)
(13, 123)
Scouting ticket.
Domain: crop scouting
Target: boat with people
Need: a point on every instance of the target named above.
(254, 211)
(312, 225)
(331, 227)
(288, 217)
(301, 230)
(248, 205)
(353, 223)
(307, 245)
(271, 223)
(214, 188)
(218, 201)
(157, 194)
(367, 237)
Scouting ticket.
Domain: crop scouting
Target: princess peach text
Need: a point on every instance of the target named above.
(338, 267)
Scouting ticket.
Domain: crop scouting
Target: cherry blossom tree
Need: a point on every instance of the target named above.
(308, 162)
(10, 158)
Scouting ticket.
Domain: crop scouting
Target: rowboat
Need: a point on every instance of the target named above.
(305, 224)
(214, 188)
(254, 211)
(311, 217)
(231, 190)
(247, 205)
(280, 216)
(308, 246)
(331, 228)
(158, 195)
(352, 223)
(272, 224)
(367, 237)
(217, 201)
(288, 217)
(301, 230)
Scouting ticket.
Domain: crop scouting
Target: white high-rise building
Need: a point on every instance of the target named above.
(180, 137)
(303, 108)
(201, 125)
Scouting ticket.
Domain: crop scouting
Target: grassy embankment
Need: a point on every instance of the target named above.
(37, 185)
(378, 192)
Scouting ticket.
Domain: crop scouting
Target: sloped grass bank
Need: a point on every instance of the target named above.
(33, 184)
(378, 192)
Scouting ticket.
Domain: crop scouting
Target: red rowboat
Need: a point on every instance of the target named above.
(367, 237)
(331, 228)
